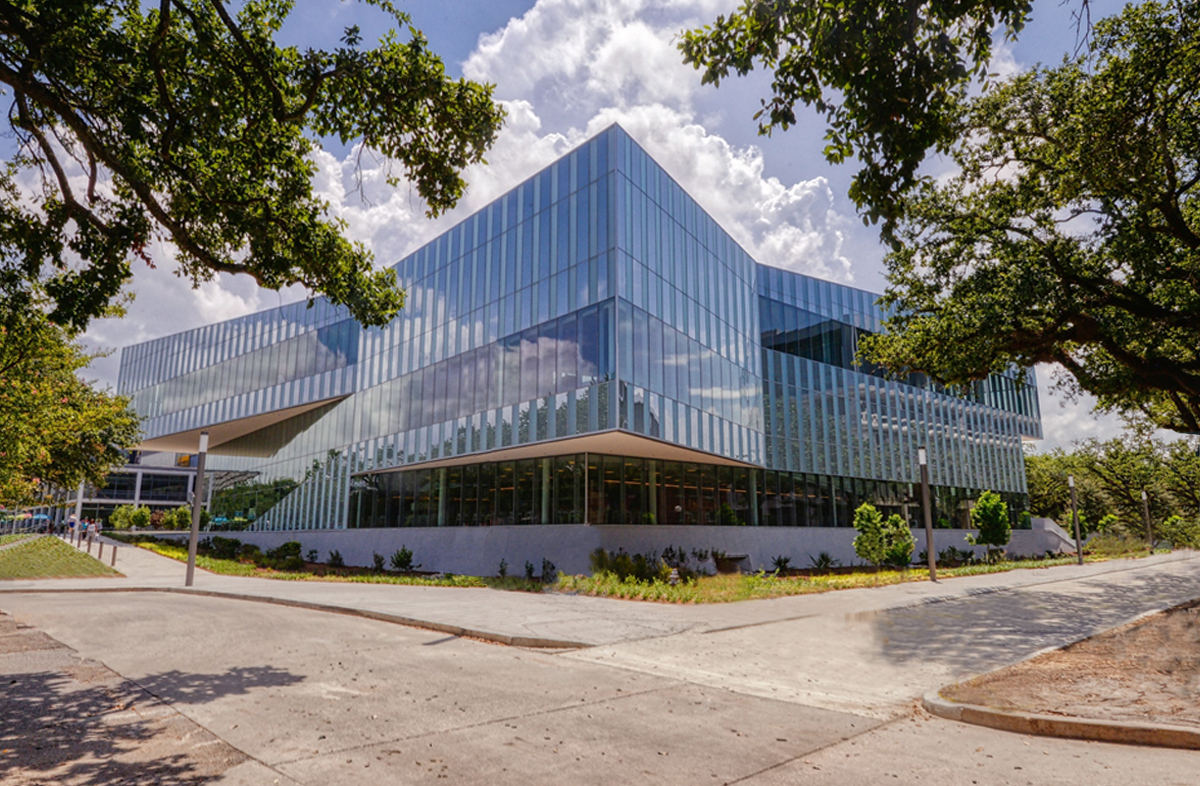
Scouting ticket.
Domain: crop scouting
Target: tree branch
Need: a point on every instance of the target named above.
(264, 70)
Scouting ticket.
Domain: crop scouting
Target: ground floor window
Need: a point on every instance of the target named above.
(602, 489)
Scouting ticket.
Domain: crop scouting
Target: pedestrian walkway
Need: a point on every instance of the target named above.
(1054, 605)
(876, 651)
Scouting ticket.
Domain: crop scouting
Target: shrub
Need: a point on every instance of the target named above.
(781, 564)
(869, 544)
(1110, 545)
(127, 516)
(677, 558)
(503, 572)
(882, 542)
(898, 542)
(824, 562)
(599, 561)
(952, 557)
(285, 550)
(168, 517)
(225, 548)
(335, 559)
(177, 518)
(250, 553)
(181, 518)
(1182, 533)
(377, 561)
(312, 555)
(121, 518)
(529, 570)
(643, 567)
(549, 571)
(989, 517)
(286, 556)
(402, 560)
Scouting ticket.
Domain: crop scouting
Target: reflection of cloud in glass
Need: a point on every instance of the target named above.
(308, 354)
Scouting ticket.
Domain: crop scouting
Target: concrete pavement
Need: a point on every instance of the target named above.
(313, 698)
(869, 651)
(605, 621)
(310, 697)
(851, 651)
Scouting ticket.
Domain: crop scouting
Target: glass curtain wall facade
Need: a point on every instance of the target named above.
(553, 345)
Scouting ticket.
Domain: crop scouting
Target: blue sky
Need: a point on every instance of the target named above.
(565, 69)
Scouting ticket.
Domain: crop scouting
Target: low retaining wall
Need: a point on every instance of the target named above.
(477, 551)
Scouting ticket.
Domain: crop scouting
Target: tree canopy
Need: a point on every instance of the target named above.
(989, 517)
(55, 428)
(183, 121)
(1071, 234)
(1110, 476)
(887, 76)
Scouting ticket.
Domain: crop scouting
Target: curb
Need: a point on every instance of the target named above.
(1128, 733)
(1159, 735)
(531, 642)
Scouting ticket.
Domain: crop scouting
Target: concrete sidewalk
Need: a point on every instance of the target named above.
(761, 692)
(593, 621)
(875, 652)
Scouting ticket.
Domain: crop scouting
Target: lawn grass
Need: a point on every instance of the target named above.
(728, 588)
(46, 557)
(6, 539)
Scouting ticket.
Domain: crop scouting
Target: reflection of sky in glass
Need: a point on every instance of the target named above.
(595, 295)
(308, 354)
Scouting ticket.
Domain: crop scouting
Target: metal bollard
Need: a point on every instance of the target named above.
(89, 544)
(100, 550)
(113, 564)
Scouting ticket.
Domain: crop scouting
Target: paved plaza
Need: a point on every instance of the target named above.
(815, 689)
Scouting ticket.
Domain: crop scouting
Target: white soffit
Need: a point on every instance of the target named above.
(616, 443)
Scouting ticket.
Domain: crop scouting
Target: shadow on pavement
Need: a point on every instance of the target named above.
(976, 634)
(176, 686)
(87, 725)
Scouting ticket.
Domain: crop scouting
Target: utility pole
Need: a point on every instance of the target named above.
(1075, 517)
(197, 506)
(930, 551)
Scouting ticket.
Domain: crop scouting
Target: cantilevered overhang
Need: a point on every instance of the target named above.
(615, 442)
(258, 435)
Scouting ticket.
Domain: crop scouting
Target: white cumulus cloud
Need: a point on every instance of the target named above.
(564, 70)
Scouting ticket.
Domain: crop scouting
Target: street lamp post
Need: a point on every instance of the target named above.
(1146, 516)
(197, 506)
(930, 552)
(1075, 518)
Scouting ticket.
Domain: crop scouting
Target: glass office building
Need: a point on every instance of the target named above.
(592, 348)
